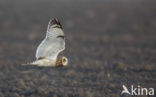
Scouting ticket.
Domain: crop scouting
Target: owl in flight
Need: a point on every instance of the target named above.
(53, 43)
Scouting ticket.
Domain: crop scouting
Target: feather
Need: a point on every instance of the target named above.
(53, 43)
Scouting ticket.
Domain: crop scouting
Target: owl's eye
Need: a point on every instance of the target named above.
(64, 60)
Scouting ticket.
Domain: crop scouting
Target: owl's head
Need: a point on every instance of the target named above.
(64, 61)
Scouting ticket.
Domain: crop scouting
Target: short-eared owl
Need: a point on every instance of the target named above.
(54, 43)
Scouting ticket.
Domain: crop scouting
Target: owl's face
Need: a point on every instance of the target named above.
(64, 61)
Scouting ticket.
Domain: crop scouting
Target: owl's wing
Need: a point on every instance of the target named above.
(54, 42)
(50, 48)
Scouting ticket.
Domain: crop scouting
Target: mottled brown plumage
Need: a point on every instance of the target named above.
(59, 62)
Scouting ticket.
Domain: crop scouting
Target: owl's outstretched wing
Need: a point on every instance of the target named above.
(54, 42)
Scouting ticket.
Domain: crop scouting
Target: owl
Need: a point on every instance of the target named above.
(53, 43)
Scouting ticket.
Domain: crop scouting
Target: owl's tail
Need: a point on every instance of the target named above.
(31, 63)
(42, 62)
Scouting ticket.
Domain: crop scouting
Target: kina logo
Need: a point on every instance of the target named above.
(137, 90)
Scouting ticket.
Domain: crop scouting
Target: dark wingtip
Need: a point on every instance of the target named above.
(54, 21)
